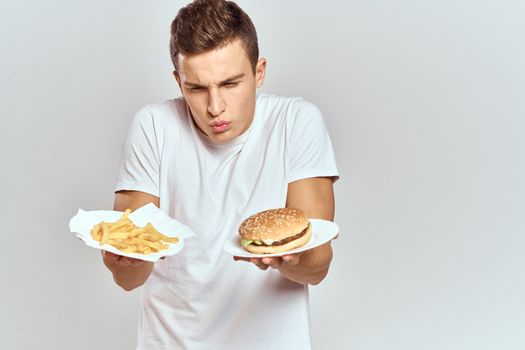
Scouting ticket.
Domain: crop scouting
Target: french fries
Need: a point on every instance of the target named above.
(127, 237)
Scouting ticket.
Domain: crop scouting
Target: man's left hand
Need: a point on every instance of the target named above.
(273, 262)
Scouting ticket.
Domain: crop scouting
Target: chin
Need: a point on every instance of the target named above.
(223, 137)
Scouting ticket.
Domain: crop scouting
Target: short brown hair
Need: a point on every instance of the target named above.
(205, 25)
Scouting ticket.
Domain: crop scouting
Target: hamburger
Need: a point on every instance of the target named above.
(275, 231)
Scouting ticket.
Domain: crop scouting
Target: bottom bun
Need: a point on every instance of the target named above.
(296, 243)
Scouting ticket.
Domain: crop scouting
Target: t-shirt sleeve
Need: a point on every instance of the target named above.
(309, 148)
(140, 163)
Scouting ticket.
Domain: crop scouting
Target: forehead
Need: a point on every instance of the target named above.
(216, 65)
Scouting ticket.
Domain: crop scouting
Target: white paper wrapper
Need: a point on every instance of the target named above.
(82, 223)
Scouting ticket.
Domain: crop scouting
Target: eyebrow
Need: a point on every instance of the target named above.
(228, 80)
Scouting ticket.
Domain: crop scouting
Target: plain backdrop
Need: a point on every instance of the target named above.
(425, 104)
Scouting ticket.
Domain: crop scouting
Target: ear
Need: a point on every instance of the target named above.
(177, 77)
(260, 72)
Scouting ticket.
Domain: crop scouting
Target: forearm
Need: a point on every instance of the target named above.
(312, 268)
(314, 196)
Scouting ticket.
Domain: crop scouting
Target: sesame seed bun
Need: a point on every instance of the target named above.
(279, 229)
(271, 249)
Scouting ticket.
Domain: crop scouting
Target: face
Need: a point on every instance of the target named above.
(219, 87)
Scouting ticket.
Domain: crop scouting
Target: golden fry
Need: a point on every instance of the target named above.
(127, 237)
(105, 233)
(163, 237)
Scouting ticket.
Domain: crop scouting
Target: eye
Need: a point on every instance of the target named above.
(231, 84)
(196, 88)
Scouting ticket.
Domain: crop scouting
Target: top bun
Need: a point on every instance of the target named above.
(274, 224)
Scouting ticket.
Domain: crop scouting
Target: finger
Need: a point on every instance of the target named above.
(238, 258)
(110, 257)
(292, 259)
(274, 263)
(124, 261)
(266, 261)
(259, 263)
(136, 262)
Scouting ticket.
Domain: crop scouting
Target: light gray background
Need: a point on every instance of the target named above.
(425, 104)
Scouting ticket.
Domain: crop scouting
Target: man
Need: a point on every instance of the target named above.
(210, 159)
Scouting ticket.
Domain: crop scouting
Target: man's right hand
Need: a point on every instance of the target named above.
(127, 272)
(114, 260)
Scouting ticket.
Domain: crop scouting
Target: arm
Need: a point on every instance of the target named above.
(129, 273)
(315, 196)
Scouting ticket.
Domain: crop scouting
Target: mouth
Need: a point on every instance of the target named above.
(220, 126)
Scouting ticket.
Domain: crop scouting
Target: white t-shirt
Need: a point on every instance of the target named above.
(201, 298)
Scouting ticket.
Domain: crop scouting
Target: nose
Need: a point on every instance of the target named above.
(216, 104)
